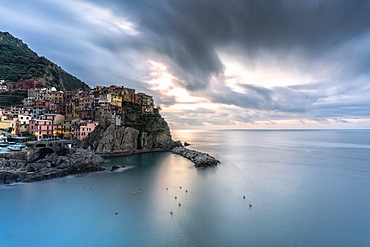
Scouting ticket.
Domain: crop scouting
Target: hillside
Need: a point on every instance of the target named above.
(12, 98)
(17, 61)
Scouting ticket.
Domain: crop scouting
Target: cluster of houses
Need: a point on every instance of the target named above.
(49, 114)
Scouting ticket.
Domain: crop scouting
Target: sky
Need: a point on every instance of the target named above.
(277, 64)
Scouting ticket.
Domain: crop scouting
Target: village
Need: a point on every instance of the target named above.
(50, 114)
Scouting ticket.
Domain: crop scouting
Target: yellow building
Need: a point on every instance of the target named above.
(114, 98)
(6, 124)
(57, 97)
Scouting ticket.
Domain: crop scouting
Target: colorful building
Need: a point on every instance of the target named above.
(25, 84)
(84, 129)
(70, 124)
(42, 129)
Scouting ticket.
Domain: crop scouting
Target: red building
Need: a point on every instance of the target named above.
(25, 84)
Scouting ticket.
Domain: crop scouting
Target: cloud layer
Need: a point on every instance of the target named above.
(235, 63)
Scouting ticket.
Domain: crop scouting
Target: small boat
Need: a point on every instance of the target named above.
(16, 147)
(3, 144)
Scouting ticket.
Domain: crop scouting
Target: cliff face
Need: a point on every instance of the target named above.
(112, 140)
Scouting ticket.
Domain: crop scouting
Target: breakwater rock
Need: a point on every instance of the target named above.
(78, 161)
(198, 158)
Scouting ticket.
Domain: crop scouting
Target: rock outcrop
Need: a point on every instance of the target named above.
(198, 158)
(113, 140)
(77, 162)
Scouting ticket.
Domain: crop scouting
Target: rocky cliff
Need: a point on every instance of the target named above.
(14, 167)
(143, 133)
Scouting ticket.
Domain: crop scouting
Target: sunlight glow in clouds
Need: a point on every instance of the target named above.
(162, 80)
(267, 72)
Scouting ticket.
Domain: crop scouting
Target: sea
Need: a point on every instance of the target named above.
(271, 188)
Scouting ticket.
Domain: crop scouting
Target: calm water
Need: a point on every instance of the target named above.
(307, 188)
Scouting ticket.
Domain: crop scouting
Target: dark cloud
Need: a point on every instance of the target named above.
(111, 41)
(188, 33)
(259, 98)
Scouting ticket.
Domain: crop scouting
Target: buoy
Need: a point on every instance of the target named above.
(166, 188)
(171, 212)
(138, 191)
(175, 197)
(179, 204)
(250, 205)
(180, 187)
(116, 213)
(186, 191)
(243, 197)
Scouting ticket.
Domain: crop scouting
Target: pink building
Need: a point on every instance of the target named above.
(84, 129)
(43, 103)
(42, 129)
(25, 84)
(32, 126)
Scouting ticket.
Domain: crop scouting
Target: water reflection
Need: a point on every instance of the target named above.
(303, 194)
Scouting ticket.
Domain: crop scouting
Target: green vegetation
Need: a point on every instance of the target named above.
(17, 62)
(12, 98)
(144, 122)
(27, 134)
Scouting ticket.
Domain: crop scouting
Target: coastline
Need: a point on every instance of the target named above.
(17, 167)
(79, 161)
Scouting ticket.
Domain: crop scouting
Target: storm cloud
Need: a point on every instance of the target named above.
(255, 60)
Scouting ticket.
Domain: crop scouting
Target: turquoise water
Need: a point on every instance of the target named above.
(307, 188)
